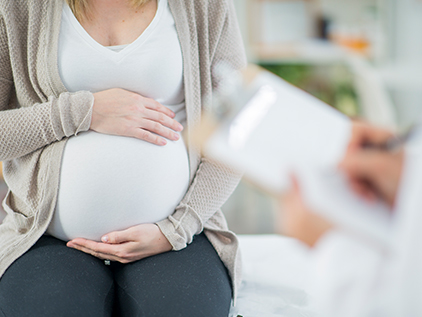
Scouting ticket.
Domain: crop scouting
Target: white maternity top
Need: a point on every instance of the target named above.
(110, 182)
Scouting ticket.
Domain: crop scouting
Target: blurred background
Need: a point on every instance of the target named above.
(363, 57)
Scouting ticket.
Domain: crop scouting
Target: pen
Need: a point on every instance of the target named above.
(393, 144)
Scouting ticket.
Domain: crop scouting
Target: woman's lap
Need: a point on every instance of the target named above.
(191, 282)
(52, 279)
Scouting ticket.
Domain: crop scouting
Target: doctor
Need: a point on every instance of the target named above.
(353, 276)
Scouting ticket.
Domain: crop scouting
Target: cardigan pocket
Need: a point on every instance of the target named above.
(18, 213)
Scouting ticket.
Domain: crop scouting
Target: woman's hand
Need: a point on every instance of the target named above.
(296, 220)
(121, 112)
(126, 246)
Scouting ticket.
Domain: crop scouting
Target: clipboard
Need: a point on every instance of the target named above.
(268, 129)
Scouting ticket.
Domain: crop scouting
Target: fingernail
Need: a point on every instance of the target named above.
(163, 142)
(104, 239)
(180, 127)
(176, 136)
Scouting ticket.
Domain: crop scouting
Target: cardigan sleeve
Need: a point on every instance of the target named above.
(26, 129)
(213, 183)
(212, 186)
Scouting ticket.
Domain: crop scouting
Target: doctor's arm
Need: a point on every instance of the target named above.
(348, 270)
(344, 267)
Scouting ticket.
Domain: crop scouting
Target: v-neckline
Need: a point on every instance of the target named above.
(116, 56)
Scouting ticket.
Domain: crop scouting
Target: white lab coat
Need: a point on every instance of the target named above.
(355, 277)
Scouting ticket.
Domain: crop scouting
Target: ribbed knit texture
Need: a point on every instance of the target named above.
(37, 116)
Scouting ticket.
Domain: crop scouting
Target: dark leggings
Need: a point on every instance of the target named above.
(54, 280)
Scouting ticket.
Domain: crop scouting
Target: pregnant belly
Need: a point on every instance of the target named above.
(110, 183)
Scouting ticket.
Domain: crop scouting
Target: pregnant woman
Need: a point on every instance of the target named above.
(108, 212)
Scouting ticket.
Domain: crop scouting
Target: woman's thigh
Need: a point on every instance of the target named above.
(192, 282)
(54, 280)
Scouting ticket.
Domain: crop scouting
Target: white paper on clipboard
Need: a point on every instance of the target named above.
(281, 130)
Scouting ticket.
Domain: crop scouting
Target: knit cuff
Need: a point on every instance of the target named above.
(180, 227)
(71, 113)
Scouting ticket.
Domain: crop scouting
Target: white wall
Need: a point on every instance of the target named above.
(408, 29)
(407, 51)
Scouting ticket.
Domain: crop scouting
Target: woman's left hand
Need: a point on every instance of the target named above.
(126, 246)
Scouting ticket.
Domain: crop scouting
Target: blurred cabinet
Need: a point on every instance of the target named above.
(287, 29)
(276, 27)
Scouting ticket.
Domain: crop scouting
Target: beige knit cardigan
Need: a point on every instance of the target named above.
(38, 115)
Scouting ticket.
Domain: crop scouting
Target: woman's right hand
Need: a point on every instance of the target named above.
(120, 112)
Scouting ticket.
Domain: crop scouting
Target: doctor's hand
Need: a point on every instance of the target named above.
(372, 173)
(121, 112)
(296, 220)
(126, 246)
(364, 133)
